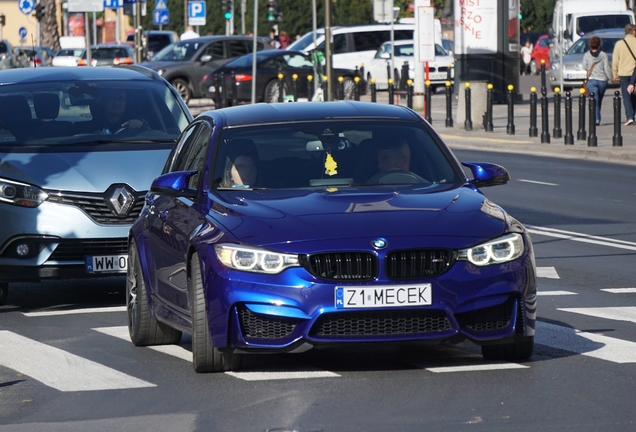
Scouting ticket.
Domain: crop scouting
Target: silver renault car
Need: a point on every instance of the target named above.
(79, 148)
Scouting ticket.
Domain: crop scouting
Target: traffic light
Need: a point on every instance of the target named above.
(272, 10)
(228, 8)
(3, 20)
(39, 11)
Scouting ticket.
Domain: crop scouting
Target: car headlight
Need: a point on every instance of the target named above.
(160, 72)
(501, 250)
(555, 66)
(252, 259)
(21, 194)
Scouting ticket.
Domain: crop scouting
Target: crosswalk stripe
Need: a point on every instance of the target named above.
(121, 332)
(60, 369)
(547, 272)
(619, 290)
(266, 376)
(477, 368)
(585, 343)
(75, 311)
(624, 313)
(555, 293)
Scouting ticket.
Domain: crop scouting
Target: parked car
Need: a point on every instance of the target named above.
(153, 41)
(269, 64)
(36, 56)
(439, 70)
(573, 72)
(540, 52)
(185, 63)
(70, 189)
(109, 55)
(280, 227)
(8, 56)
(68, 57)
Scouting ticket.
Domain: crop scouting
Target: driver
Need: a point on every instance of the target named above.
(115, 115)
(394, 156)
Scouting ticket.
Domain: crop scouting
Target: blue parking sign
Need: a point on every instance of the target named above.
(196, 13)
(160, 17)
(113, 4)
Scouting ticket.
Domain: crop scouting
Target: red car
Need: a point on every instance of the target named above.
(540, 52)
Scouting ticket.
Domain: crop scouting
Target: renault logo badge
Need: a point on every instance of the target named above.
(121, 200)
(379, 243)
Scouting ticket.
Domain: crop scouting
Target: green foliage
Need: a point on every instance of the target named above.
(537, 15)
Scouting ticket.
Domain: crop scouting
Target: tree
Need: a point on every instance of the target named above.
(49, 34)
(536, 15)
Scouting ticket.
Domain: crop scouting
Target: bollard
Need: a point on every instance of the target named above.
(409, 94)
(295, 87)
(281, 87)
(341, 92)
(557, 132)
(592, 140)
(569, 137)
(581, 134)
(449, 105)
(617, 139)
(325, 88)
(510, 129)
(374, 91)
(388, 71)
(533, 131)
(310, 87)
(217, 92)
(428, 102)
(448, 73)
(488, 126)
(356, 88)
(223, 91)
(361, 69)
(544, 88)
(404, 76)
(545, 134)
(468, 123)
(391, 92)
(234, 90)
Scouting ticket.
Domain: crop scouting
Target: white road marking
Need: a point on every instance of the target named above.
(75, 311)
(555, 293)
(620, 290)
(60, 369)
(538, 182)
(583, 238)
(626, 313)
(547, 272)
(585, 343)
(266, 376)
(477, 368)
(121, 332)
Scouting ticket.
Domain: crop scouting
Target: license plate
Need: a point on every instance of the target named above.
(576, 76)
(107, 264)
(384, 296)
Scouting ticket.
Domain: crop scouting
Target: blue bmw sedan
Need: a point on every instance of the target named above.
(280, 227)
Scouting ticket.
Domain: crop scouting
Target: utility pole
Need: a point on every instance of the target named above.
(330, 83)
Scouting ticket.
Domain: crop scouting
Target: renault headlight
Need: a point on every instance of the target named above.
(252, 259)
(501, 250)
(21, 194)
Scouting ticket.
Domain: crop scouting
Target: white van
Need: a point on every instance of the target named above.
(355, 45)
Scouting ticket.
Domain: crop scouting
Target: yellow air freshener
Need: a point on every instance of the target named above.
(331, 165)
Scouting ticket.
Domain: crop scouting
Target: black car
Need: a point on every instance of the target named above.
(268, 65)
(183, 64)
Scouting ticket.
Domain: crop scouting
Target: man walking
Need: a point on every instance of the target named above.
(623, 63)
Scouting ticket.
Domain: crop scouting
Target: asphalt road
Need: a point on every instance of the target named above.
(66, 363)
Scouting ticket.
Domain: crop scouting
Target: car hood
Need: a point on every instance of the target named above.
(93, 171)
(297, 216)
(157, 65)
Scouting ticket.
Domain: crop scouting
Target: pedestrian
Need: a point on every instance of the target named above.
(526, 56)
(189, 33)
(284, 39)
(274, 40)
(596, 63)
(623, 62)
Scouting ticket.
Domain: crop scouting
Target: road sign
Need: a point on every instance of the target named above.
(196, 13)
(84, 5)
(26, 6)
(22, 32)
(160, 17)
(161, 4)
(113, 4)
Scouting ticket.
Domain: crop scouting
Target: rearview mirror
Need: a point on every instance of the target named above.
(174, 184)
(487, 174)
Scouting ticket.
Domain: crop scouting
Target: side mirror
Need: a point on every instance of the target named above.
(566, 34)
(206, 58)
(487, 174)
(385, 55)
(174, 184)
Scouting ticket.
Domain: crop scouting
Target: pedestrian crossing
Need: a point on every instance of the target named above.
(67, 372)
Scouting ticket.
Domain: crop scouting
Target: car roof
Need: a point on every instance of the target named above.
(614, 32)
(262, 113)
(30, 75)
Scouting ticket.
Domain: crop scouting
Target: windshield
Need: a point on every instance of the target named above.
(581, 46)
(180, 51)
(88, 112)
(308, 39)
(586, 24)
(329, 154)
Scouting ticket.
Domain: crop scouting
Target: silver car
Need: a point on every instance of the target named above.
(573, 72)
(70, 188)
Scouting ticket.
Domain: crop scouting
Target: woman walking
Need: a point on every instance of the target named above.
(596, 63)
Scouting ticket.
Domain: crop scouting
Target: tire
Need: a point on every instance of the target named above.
(181, 86)
(143, 329)
(518, 350)
(205, 357)
(271, 91)
(4, 292)
(534, 68)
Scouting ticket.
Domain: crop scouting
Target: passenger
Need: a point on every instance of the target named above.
(242, 164)
(394, 156)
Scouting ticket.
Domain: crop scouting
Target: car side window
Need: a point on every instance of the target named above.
(370, 40)
(181, 149)
(340, 44)
(196, 154)
(216, 50)
(238, 48)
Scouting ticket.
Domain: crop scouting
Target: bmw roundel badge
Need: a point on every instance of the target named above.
(379, 243)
